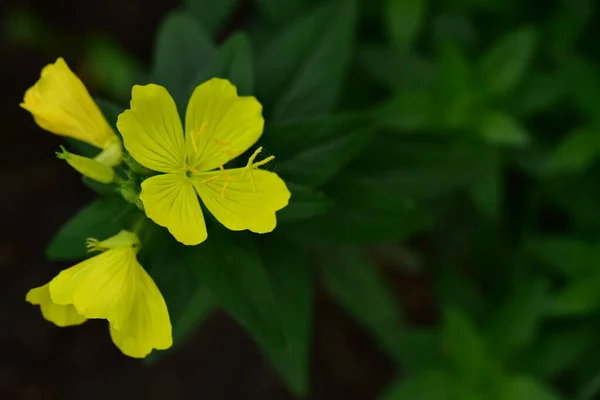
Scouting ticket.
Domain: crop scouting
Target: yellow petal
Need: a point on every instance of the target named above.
(148, 326)
(151, 129)
(102, 287)
(60, 103)
(58, 314)
(170, 201)
(219, 124)
(91, 168)
(243, 198)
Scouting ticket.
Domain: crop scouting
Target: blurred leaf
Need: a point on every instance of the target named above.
(514, 326)
(182, 51)
(111, 111)
(312, 152)
(430, 385)
(359, 288)
(100, 219)
(403, 20)
(398, 71)
(504, 64)
(576, 152)
(281, 12)
(305, 203)
(456, 28)
(454, 288)
(100, 188)
(487, 193)
(410, 110)
(230, 267)
(301, 71)
(465, 348)
(211, 14)
(580, 297)
(290, 272)
(556, 351)
(581, 79)
(500, 128)
(526, 388)
(566, 255)
(232, 61)
(537, 94)
(188, 300)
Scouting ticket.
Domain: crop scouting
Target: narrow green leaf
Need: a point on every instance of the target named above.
(211, 14)
(300, 72)
(403, 20)
(500, 128)
(579, 298)
(465, 347)
(183, 50)
(576, 152)
(232, 61)
(100, 219)
(230, 267)
(289, 272)
(564, 255)
(305, 203)
(312, 152)
(430, 385)
(503, 66)
(355, 283)
(538, 93)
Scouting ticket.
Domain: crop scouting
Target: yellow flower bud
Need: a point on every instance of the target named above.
(91, 168)
(61, 104)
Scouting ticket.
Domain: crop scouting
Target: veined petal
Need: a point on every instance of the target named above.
(148, 326)
(103, 286)
(60, 103)
(151, 129)
(219, 124)
(57, 314)
(243, 198)
(170, 201)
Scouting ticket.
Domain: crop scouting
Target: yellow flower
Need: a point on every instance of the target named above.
(111, 286)
(60, 103)
(219, 126)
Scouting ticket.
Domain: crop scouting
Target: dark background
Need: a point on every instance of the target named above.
(39, 193)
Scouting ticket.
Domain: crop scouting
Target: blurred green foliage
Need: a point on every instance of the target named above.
(472, 125)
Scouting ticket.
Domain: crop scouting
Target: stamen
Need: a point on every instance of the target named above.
(253, 156)
(194, 144)
(233, 152)
(192, 170)
(224, 188)
(212, 178)
(263, 162)
(221, 142)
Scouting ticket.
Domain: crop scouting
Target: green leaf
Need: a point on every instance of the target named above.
(289, 272)
(188, 300)
(211, 14)
(487, 193)
(538, 93)
(100, 188)
(232, 61)
(312, 152)
(526, 388)
(403, 20)
(457, 289)
(301, 71)
(183, 50)
(429, 385)
(411, 110)
(230, 267)
(500, 128)
(576, 152)
(565, 255)
(515, 325)
(360, 289)
(279, 12)
(558, 350)
(305, 203)
(100, 219)
(465, 347)
(503, 66)
(579, 298)
(110, 111)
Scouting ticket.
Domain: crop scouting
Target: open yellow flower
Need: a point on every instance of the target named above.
(219, 126)
(60, 103)
(112, 286)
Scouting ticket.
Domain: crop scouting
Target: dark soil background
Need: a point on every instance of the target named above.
(38, 193)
